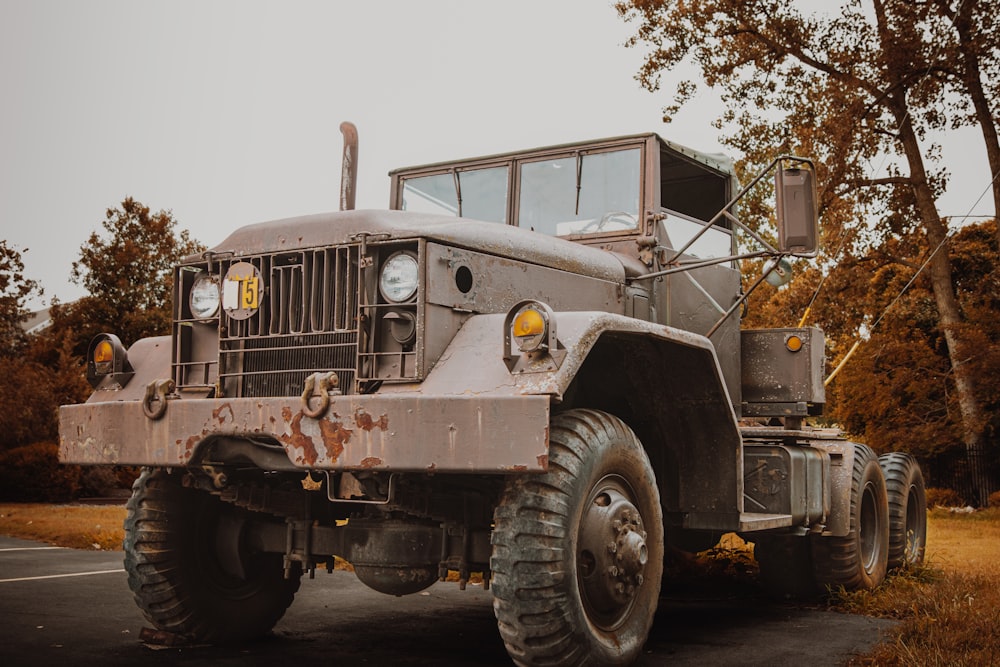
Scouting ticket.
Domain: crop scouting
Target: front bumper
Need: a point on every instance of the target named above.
(411, 433)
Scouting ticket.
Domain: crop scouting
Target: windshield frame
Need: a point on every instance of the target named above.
(583, 154)
(646, 144)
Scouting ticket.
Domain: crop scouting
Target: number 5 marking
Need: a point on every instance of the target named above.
(250, 292)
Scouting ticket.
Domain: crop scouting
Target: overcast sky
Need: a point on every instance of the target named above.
(228, 112)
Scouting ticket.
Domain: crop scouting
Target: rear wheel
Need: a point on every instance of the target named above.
(907, 509)
(859, 559)
(189, 572)
(578, 551)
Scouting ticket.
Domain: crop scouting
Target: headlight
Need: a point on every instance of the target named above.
(398, 280)
(530, 328)
(204, 297)
(530, 344)
(107, 361)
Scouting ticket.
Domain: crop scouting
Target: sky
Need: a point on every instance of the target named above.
(227, 113)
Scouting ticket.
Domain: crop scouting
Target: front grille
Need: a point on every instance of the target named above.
(278, 366)
(307, 321)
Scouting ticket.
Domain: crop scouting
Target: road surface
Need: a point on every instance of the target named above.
(72, 607)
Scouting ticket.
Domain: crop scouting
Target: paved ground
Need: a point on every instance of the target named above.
(64, 606)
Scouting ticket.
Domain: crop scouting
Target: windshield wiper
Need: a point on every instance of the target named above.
(579, 180)
(458, 190)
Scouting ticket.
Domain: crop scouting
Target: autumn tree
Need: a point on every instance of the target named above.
(15, 290)
(896, 392)
(857, 87)
(128, 271)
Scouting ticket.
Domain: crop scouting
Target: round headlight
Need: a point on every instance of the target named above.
(204, 297)
(398, 280)
(530, 329)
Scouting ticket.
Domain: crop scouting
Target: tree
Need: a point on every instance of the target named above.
(972, 45)
(15, 289)
(128, 271)
(854, 88)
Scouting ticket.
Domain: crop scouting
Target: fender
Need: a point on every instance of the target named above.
(665, 383)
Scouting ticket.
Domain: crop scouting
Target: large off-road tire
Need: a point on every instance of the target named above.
(786, 566)
(181, 582)
(578, 551)
(907, 509)
(858, 560)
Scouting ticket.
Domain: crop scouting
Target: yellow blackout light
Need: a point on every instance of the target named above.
(104, 353)
(793, 343)
(529, 323)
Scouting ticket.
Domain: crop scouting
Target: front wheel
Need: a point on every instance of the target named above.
(858, 560)
(184, 574)
(578, 551)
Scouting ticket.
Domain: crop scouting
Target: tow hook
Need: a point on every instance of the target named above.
(154, 403)
(325, 384)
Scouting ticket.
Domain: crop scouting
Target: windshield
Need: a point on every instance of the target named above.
(483, 194)
(580, 194)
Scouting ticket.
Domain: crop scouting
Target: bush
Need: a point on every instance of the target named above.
(98, 482)
(944, 498)
(32, 473)
(994, 499)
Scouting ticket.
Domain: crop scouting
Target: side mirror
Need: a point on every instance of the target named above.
(798, 227)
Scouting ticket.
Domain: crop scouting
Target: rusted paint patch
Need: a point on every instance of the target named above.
(543, 461)
(189, 445)
(300, 440)
(365, 421)
(217, 413)
(370, 462)
(517, 468)
(335, 436)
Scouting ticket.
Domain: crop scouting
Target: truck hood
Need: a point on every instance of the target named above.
(342, 227)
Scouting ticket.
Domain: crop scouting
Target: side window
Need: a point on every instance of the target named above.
(714, 243)
(581, 194)
(483, 194)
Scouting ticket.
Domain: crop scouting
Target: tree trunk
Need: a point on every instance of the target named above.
(950, 316)
(972, 79)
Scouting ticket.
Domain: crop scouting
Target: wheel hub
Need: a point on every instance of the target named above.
(612, 553)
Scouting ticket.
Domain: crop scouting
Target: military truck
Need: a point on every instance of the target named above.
(530, 367)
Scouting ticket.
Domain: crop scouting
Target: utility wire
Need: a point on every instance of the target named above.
(909, 284)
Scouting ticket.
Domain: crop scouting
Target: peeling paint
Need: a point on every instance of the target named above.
(365, 421)
(335, 436)
(218, 416)
(543, 461)
(299, 440)
(370, 462)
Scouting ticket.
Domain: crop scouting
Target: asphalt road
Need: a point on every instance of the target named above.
(71, 607)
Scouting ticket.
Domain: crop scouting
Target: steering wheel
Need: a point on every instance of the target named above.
(621, 218)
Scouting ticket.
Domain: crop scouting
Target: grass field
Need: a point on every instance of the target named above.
(949, 608)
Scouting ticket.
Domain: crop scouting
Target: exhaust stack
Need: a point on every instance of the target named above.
(349, 166)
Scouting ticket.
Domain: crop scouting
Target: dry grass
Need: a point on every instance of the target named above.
(76, 526)
(949, 607)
